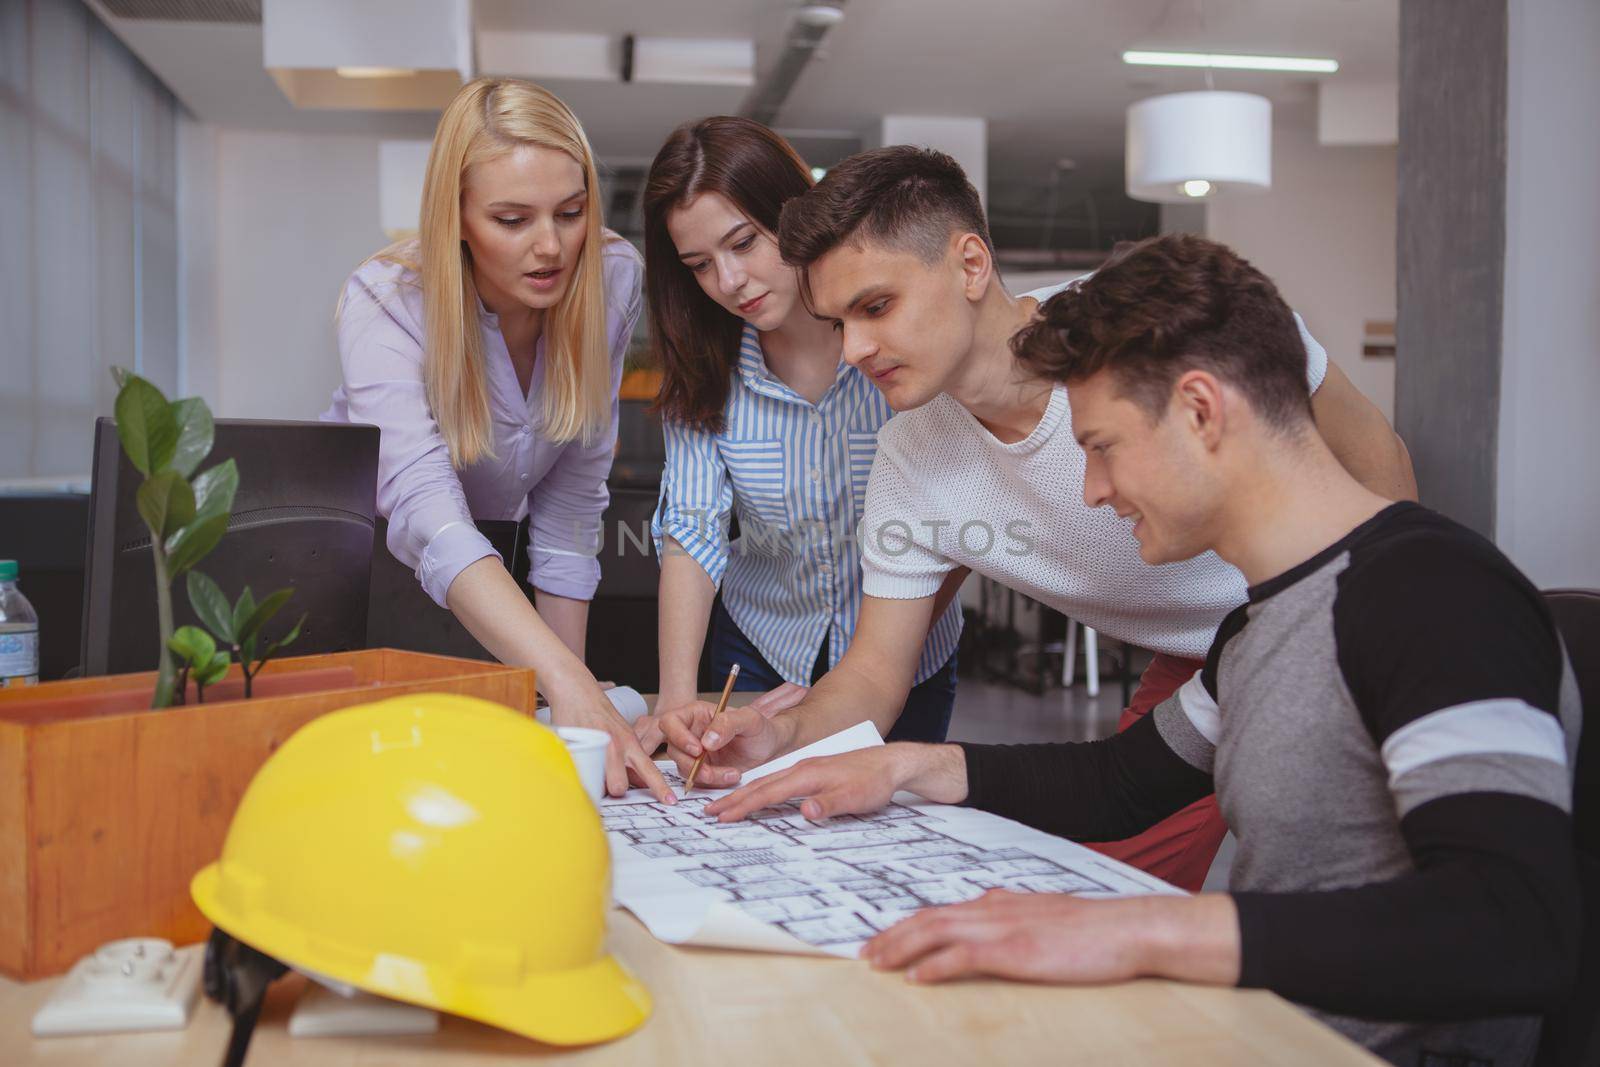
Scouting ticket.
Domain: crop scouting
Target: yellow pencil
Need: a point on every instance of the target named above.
(727, 688)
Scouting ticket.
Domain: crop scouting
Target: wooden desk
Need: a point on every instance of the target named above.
(753, 1009)
(714, 1006)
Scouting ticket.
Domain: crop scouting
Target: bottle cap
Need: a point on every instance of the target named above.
(8, 570)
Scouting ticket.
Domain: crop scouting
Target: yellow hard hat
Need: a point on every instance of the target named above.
(434, 849)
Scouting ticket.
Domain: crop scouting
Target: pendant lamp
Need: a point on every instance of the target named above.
(1197, 145)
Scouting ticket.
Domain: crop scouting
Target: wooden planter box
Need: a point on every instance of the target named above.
(107, 808)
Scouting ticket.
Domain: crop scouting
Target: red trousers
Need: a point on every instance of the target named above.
(1179, 848)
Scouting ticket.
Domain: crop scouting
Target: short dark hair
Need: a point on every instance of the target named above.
(902, 196)
(1168, 304)
(696, 342)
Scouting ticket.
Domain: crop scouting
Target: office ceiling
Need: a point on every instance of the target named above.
(1046, 74)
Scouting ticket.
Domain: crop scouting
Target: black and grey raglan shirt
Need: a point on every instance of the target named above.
(1389, 728)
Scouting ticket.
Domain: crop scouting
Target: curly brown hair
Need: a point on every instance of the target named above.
(1169, 304)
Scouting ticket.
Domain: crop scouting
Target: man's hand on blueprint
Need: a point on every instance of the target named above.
(1051, 937)
(854, 783)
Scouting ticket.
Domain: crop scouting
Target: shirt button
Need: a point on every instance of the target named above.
(816, 474)
(525, 431)
(524, 476)
(816, 419)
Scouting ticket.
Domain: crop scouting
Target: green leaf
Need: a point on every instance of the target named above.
(210, 603)
(145, 425)
(264, 611)
(193, 644)
(213, 671)
(247, 650)
(214, 489)
(191, 543)
(166, 503)
(242, 610)
(287, 639)
(195, 431)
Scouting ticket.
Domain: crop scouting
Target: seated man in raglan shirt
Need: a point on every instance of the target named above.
(980, 470)
(1388, 721)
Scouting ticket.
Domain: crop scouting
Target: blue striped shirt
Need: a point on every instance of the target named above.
(796, 475)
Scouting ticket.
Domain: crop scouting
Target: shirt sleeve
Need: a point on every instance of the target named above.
(566, 506)
(1316, 355)
(380, 353)
(1111, 789)
(696, 499)
(1087, 791)
(897, 560)
(1455, 666)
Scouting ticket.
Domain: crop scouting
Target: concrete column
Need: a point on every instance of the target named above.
(1450, 250)
(1498, 333)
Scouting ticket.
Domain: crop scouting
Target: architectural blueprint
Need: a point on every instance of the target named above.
(778, 881)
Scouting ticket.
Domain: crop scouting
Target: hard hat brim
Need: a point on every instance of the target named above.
(585, 1005)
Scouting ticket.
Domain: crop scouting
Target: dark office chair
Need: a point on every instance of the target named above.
(622, 619)
(641, 447)
(401, 615)
(1572, 1035)
(621, 644)
(47, 534)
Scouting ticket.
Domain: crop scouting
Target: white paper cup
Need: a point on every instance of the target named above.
(588, 750)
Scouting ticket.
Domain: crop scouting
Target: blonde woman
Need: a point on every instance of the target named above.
(489, 350)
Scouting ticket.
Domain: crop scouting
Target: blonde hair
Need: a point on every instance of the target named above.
(488, 117)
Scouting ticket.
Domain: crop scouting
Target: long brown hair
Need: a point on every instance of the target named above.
(696, 340)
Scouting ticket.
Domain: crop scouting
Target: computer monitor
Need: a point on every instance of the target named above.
(303, 517)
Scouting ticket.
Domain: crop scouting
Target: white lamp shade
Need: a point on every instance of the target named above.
(1211, 142)
(409, 55)
(401, 168)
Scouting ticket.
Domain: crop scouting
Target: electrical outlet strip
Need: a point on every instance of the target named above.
(140, 983)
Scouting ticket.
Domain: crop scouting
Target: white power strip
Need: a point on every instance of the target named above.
(324, 1012)
(136, 984)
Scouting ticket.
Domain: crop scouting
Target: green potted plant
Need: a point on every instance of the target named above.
(187, 514)
(157, 806)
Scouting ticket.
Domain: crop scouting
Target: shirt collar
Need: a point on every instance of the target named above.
(753, 369)
(752, 360)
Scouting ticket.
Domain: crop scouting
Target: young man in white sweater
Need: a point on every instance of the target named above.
(980, 470)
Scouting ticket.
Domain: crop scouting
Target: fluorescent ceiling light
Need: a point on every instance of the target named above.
(1224, 61)
(375, 72)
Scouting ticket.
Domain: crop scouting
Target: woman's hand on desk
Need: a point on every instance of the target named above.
(651, 732)
(626, 759)
(735, 741)
(693, 710)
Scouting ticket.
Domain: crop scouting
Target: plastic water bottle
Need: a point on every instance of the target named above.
(19, 632)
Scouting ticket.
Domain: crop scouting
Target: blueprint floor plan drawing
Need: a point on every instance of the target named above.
(829, 887)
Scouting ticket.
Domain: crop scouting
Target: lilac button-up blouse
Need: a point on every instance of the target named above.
(429, 504)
